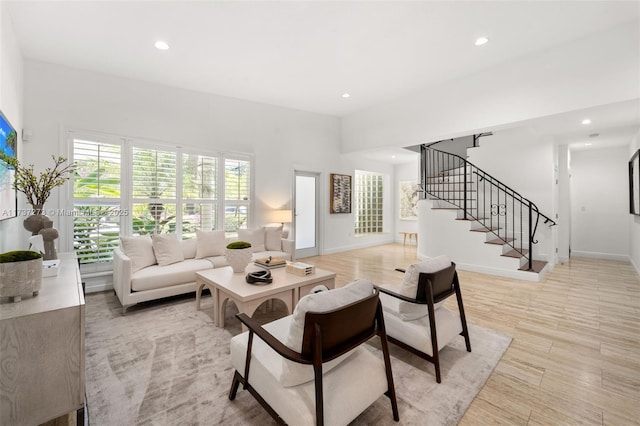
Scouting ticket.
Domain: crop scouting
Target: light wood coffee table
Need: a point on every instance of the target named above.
(225, 285)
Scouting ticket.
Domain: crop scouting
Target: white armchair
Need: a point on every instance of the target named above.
(310, 368)
(415, 317)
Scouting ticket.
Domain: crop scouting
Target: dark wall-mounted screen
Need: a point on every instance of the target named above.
(634, 184)
(8, 149)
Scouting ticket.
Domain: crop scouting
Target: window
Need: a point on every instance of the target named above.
(96, 200)
(129, 187)
(199, 194)
(153, 186)
(236, 194)
(368, 202)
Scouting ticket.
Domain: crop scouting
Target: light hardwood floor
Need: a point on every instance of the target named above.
(575, 355)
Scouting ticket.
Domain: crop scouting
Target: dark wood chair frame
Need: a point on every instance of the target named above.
(327, 335)
(433, 288)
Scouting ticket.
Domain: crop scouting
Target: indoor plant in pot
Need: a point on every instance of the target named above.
(20, 273)
(238, 255)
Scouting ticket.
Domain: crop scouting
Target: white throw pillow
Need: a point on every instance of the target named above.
(189, 248)
(167, 249)
(411, 311)
(210, 243)
(293, 373)
(139, 250)
(254, 236)
(273, 238)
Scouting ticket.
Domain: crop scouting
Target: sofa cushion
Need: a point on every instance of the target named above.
(255, 236)
(189, 248)
(293, 373)
(139, 250)
(273, 238)
(157, 276)
(167, 249)
(411, 311)
(210, 243)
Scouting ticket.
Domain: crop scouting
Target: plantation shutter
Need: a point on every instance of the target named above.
(199, 194)
(96, 200)
(236, 194)
(154, 190)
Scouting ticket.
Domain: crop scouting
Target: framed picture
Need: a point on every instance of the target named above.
(340, 201)
(634, 184)
(409, 196)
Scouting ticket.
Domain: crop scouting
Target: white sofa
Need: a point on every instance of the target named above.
(142, 271)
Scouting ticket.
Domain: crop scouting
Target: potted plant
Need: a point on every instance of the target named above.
(20, 273)
(238, 255)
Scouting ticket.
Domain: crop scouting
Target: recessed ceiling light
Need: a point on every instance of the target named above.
(586, 121)
(161, 45)
(346, 95)
(393, 156)
(588, 144)
(481, 40)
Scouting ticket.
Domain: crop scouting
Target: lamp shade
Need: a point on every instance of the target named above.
(281, 216)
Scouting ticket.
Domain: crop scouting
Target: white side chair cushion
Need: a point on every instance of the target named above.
(411, 311)
(296, 404)
(254, 236)
(139, 250)
(273, 238)
(210, 243)
(417, 333)
(293, 373)
(167, 249)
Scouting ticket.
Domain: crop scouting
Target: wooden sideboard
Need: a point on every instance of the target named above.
(42, 350)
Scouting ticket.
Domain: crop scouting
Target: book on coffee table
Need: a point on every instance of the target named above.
(270, 262)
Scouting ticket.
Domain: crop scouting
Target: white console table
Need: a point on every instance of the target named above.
(42, 350)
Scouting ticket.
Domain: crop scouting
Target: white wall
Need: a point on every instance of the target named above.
(600, 203)
(596, 70)
(11, 102)
(280, 139)
(564, 203)
(634, 221)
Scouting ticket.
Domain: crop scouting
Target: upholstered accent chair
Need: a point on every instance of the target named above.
(415, 317)
(311, 367)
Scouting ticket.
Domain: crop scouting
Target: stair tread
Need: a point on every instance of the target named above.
(500, 241)
(515, 253)
(485, 229)
(537, 265)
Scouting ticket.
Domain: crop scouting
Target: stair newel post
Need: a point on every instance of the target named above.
(465, 191)
(530, 236)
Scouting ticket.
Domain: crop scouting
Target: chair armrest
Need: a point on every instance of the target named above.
(400, 296)
(270, 340)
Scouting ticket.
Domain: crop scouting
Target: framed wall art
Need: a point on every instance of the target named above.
(409, 196)
(340, 201)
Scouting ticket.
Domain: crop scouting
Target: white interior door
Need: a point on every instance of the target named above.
(306, 213)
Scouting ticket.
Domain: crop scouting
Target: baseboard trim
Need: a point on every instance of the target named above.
(97, 288)
(359, 246)
(506, 273)
(596, 255)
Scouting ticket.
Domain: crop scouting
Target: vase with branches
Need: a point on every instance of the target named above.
(37, 187)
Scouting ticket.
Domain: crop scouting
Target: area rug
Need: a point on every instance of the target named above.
(165, 363)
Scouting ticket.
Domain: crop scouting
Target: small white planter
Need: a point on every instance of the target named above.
(20, 278)
(238, 259)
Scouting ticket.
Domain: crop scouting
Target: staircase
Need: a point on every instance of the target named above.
(501, 216)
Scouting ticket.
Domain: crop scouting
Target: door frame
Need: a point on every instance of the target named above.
(315, 251)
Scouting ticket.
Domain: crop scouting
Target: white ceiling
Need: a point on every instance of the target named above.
(303, 54)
